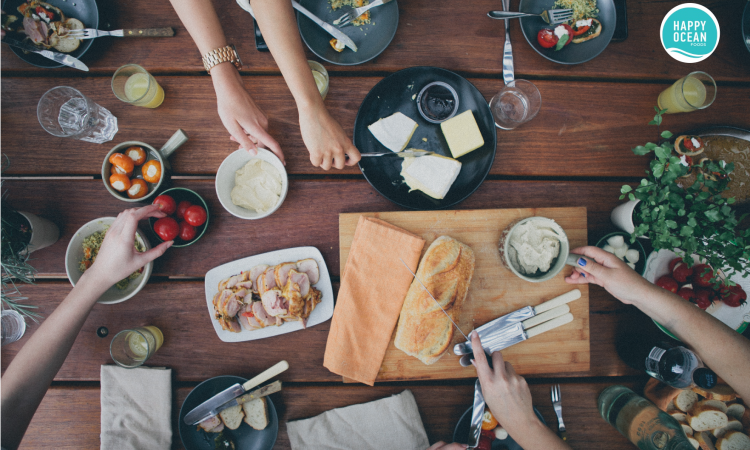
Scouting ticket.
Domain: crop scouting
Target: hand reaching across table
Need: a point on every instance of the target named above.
(326, 141)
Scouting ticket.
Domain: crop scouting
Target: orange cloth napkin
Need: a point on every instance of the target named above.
(373, 288)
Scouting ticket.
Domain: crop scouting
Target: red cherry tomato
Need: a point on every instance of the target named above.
(167, 205)
(546, 38)
(181, 207)
(702, 274)
(166, 228)
(668, 283)
(704, 298)
(673, 263)
(733, 296)
(485, 443)
(686, 293)
(195, 216)
(187, 231)
(682, 272)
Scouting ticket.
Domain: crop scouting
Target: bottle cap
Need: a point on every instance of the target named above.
(704, 378)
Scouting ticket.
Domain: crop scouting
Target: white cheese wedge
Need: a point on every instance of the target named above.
(394, 131)
(462, 134)
(433, 175)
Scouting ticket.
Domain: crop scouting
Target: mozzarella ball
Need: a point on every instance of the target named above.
(616, 241)
(632, 255)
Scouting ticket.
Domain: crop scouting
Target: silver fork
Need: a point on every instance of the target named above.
(557, 405)
(91, 33)
(347, 18)
(551, 16)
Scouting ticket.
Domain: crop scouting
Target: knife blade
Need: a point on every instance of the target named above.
(477, 414)
(210, 406)
(333, 31)
(61, 58)
(256, 394)
(402, 154)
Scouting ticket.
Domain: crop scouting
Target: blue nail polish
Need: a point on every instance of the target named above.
(583, 274)
(581, 262)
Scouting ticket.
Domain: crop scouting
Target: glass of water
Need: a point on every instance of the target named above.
(64, 112)
(516, 104)
(13, 326)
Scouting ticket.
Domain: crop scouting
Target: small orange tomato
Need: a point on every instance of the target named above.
(114, 170)
(123, 162)
(488, 421)
(120, 182)
(138, 188)
(137, 154)
(151, 171)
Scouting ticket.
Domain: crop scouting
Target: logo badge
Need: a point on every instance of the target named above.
(689, 33)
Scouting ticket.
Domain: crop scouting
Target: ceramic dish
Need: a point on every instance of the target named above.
(225, 181)
(322, 312)
(572, 53)
(557, 265)
(461, 433)
(657, 266)
(370, 39)
(74, 255)
(84, 10)
(398, 93)
(182, 194)
(245, 437)
(640, 266)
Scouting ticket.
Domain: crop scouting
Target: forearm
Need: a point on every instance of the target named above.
(539, 437)
(201, 21)
(29, 375)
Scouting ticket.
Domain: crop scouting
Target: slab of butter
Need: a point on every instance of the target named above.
(462, 134)
(257, 186)
(434, 175)
(394, 131)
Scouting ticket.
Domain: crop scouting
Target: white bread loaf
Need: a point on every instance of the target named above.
(685, 400)
(256, 413)
(705, 417)
(733, 424)
(232, 417)
(733, 440)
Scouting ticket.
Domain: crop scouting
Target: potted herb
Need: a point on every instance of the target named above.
(16, 236)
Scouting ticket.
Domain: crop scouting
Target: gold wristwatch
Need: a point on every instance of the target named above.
(220, 55)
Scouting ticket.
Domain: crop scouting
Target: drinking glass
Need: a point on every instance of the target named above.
(13, 326)
(697, 90)
(517, 103)
(133, 84)
(131, 348)
(64, 112)
(321, 77)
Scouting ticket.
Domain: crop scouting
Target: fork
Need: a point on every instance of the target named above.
(347, 18)
(551, 16)
(91, 33)
(557, 405)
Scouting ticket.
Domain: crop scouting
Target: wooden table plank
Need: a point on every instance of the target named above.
(431, 32)
(583, 129)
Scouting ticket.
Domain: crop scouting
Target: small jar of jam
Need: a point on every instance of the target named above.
(437, 102)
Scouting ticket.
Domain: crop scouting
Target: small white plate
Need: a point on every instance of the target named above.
(225, 181)
(320, 314)
(74, 255)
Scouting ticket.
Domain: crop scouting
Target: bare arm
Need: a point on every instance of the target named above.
(724, 350)
(30, 373)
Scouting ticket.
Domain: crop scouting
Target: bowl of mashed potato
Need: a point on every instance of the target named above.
(251, 186)
(535, 248)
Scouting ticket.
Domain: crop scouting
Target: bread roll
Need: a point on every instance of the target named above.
(446, 270)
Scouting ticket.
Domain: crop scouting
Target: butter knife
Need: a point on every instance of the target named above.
(333, 31)
(402, 154)
(508, 75)
(57, 57)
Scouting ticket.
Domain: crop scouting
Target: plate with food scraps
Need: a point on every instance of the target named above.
(581, 48)
(85, 11)
(398, 93)
(237, 312)
(371, 35)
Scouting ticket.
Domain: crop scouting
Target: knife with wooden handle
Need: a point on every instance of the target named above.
(147, 32)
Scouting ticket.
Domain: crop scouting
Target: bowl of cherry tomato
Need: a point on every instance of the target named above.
(134, 171)
(187, 217)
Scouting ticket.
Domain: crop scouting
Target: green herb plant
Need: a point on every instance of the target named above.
(689, 220)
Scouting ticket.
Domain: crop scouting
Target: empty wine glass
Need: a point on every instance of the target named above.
(515, 104)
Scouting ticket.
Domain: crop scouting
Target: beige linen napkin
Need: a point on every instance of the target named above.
(136, 408)
(389, 423)
(373, 288)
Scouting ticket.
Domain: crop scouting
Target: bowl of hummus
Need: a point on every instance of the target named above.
(251, 186)
(534, 248)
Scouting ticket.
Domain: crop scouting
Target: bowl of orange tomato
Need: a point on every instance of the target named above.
(134, 171)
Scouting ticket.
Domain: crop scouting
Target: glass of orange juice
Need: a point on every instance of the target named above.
(131, 348)
(697, 90)
(133, 84)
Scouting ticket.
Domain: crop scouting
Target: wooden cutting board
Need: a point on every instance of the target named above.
(494, 291)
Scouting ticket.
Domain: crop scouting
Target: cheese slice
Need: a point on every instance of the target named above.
(462, 134)
(394, 131)
(434, 175)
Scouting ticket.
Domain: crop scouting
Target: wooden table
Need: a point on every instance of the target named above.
(575, 153)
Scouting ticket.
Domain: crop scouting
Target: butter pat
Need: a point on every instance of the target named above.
(394, 131)
(257, 186)
(462, 134)
(434, 175)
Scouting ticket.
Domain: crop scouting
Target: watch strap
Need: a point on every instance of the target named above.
(221, 55)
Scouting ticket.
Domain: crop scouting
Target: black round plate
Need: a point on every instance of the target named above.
(370, 39)
(461, 433)
(572, 53)
(746, 26)
(84, 10)
(394, 94)
(244, 437)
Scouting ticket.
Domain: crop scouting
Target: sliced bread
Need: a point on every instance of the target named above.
(679, 416)
(256, 413)
(685, 427)
(705, 417)
(232, 417)
(719, 392)
(705, 441)
(733, 424)
(733, 440)
(685, 400)
(716, 403)
(736, 410)
(694, 442)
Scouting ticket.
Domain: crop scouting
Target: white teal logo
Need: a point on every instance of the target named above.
(689, 33)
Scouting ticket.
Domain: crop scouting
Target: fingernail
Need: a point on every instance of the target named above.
(583, 274)
(582, 262)
(473, 334)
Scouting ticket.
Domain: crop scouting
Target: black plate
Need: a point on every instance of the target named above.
(572, 53)
(461, 433)
(370, 39)
(746, 26)
(244, 437)
(84, 10)
(393, 94)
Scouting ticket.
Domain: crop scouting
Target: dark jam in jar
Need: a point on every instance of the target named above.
(437, 102)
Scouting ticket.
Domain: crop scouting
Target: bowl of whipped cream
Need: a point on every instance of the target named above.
(535, 248)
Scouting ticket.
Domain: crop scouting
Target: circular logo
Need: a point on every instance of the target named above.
(689, 33)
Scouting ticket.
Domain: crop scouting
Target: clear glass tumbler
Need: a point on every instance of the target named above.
(64, 112)
(131, 348)
(13, 326)
(697, 90)
(133, 84)
(516, 104)
(321, 77)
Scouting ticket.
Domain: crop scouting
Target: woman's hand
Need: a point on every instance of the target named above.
(326, 141)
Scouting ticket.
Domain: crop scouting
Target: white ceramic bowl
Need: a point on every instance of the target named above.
(74, 255)
(225, 181)
(557, 265)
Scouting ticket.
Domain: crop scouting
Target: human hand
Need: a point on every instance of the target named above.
(440, 445)
(326, 141)
(117, 257)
